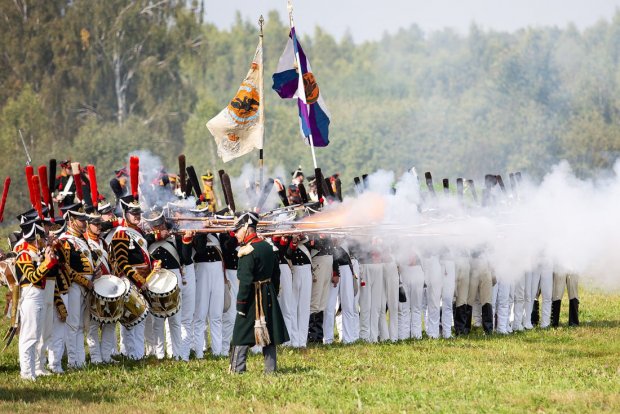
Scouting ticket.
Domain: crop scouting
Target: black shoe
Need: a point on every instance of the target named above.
(487, 318)
(555, 313)
(573, 312)
(535, 314)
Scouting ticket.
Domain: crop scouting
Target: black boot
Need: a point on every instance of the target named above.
(312, 334)
(487, 318)
(573, 312)
(319, 327)
(555, 313)
(468, 314)
(459, 325)
(535, 314)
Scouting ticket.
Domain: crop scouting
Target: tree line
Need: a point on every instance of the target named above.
(94, 81)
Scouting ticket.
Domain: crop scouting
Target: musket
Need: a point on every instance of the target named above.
(330, 230)
(180, 232)
(28, 159)
(210, 222)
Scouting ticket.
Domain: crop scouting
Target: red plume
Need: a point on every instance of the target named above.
(29, 174)
(36, 188)
(5, 193)
(76, 171)
(94, 192)
(134, 169)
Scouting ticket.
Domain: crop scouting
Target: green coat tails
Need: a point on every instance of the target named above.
(260, 263)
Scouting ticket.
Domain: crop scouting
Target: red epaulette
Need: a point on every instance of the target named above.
(120, 234)
(22, 253)
(21, 247)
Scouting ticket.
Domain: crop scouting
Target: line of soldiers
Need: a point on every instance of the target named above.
(367, 289)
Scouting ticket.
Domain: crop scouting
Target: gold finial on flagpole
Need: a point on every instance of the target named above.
(261, 21)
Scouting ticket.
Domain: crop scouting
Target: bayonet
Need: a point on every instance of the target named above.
(28, 159)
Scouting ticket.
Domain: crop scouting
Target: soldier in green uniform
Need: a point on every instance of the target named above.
(259, 320)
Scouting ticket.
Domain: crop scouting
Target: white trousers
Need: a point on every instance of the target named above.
(501, 306)
(132, 341)
(371, 300)
(321, 281)
(209, 303)
(356, 288)
(101, 349)
(188, 308)
(302, 292)
(329, 315)
(463, 269)
(31, 316)
(542, 279)
(168, 330)
(47, 321)
(528, 299)
(285, 298)
(389, 331)
(76, 314)
(410, 312)
(56, 347)
(433, 279)
(343, 296)
(228, 322)
(350, 316)
(518, 307)
(448, 270)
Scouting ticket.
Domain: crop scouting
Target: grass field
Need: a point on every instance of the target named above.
(544, 371)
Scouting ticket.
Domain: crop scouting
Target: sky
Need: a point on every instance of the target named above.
(369, 19)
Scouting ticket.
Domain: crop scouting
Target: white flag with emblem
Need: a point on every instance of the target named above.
(239, 127)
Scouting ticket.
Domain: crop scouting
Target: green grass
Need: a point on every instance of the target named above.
(555, 370)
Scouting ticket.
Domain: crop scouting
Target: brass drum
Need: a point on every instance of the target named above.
(163, 294)
(135, 309)
(107, 300)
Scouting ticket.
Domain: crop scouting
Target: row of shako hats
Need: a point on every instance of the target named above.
(33, 226)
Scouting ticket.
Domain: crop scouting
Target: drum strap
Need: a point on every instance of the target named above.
(102, 254)
(80, 245)
(212, 241)
(140, 241)
(167, 246)
(305, 250)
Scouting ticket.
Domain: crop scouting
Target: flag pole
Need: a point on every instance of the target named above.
(261, 114)
(312, 145)
(289, 7)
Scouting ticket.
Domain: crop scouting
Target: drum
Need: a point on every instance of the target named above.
(163, 294)
(135, 309)
(107, 300)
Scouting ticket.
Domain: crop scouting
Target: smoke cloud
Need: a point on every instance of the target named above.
(565, 221)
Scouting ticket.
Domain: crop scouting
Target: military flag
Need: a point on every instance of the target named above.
(239, 128)
(294, 75)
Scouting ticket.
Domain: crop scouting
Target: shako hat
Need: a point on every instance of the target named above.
(73, 210)
(246, 219)
(131, 204)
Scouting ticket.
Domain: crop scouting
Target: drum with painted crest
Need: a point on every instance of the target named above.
(107, 299)
(135, 309)
(163, 293)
